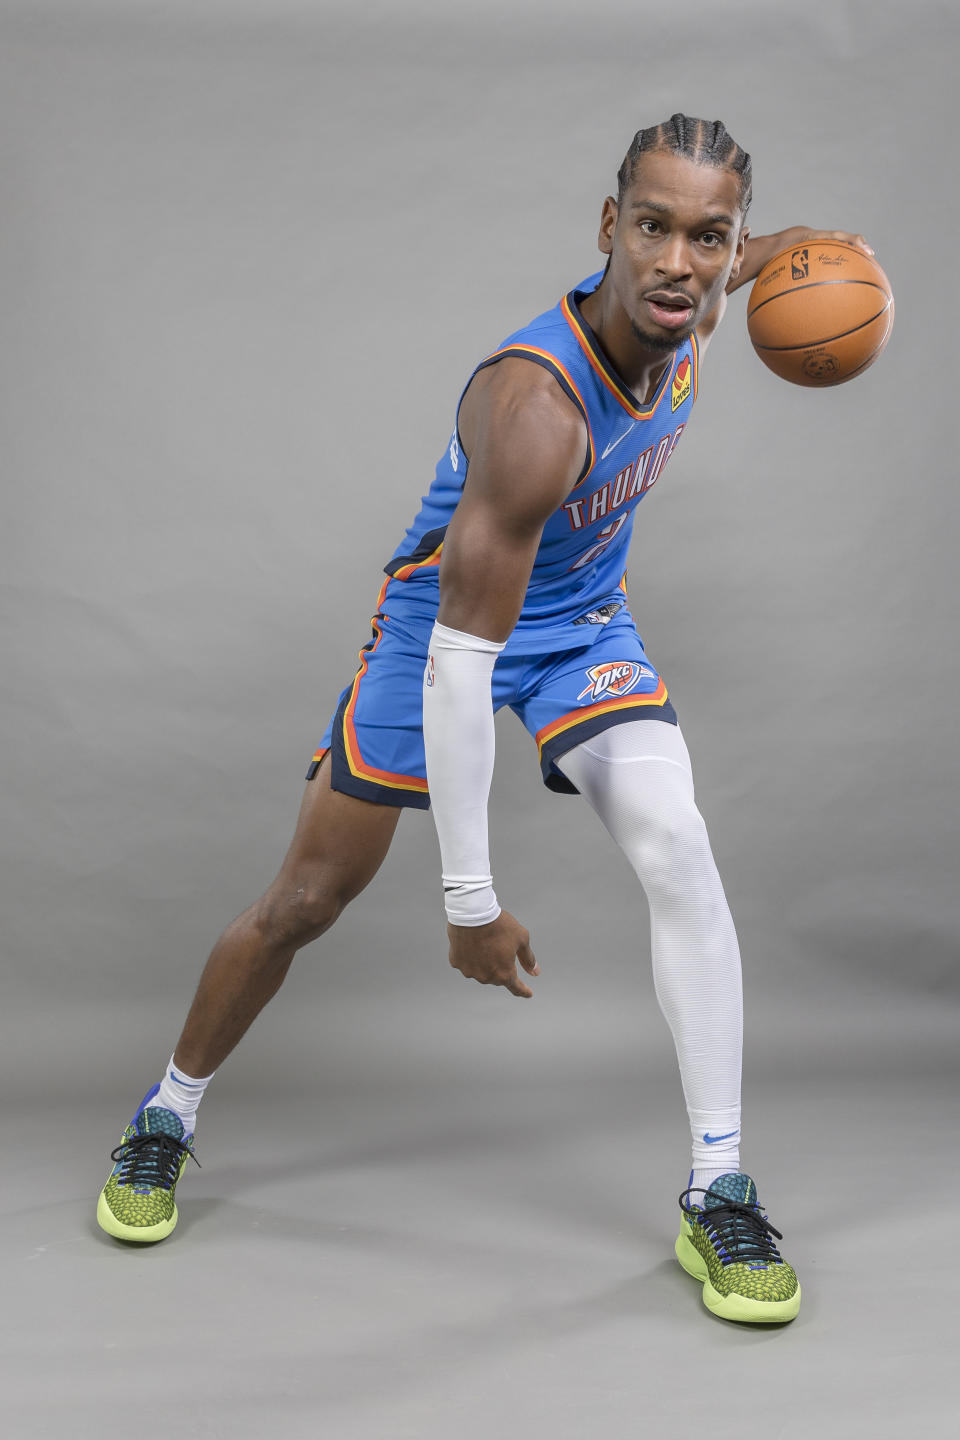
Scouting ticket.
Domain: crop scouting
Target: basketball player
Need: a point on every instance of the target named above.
(509, 589)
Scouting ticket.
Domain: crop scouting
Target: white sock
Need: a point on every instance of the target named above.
(715, 1138)
(181, 1093)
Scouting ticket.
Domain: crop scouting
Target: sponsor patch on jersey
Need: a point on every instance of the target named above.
(615, 678)
(682, 382)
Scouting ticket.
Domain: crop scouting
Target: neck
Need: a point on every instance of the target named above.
(641, 369)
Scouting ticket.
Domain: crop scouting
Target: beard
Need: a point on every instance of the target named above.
(662, 344)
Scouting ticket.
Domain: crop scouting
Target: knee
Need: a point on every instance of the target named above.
(298, 910)
(670, 850)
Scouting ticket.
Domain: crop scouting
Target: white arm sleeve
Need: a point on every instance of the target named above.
(458, 738)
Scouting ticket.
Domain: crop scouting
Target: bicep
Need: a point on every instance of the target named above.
(525, 441)
(484, 569)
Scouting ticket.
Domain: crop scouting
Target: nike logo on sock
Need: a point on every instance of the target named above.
(715, 1139)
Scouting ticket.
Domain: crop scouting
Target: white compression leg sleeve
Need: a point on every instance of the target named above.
(637, 777)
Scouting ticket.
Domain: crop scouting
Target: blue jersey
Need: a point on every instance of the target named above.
(577, 582)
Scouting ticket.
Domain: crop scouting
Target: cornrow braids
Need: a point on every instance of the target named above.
(703, 141)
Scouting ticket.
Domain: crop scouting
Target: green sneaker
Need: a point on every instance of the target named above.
(727, 1243)
(137, 1202)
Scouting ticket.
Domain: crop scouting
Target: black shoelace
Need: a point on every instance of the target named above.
(151, 1160)
(741, 1233)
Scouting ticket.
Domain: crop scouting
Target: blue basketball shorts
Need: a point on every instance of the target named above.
(375, 738)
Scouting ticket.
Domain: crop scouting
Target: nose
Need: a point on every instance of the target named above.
(673, 261)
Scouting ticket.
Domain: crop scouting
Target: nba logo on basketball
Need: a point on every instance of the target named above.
(615, 678)
(682, 383)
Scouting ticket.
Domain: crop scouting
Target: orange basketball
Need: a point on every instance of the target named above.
(820, 313)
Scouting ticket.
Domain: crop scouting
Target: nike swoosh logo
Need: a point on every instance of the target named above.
(616, 442)
(713, 1139)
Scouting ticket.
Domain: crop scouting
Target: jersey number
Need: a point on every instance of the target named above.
(604, 537)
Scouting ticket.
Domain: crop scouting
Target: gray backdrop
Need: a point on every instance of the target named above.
(250, 252)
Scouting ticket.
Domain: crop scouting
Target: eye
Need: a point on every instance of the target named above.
(711, 239)
(649, 227)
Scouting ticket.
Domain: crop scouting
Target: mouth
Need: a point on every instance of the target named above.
(671, 309)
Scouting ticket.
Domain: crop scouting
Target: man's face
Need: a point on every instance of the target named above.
(673, 242)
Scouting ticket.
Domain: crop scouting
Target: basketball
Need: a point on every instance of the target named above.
(820, 313)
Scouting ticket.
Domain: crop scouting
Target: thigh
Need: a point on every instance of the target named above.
(619, 745)
(580, 694)
(339, 839)
(633, 774)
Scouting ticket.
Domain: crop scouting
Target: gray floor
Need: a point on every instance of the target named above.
(476, 1235)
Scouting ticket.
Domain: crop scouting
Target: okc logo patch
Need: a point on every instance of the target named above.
(615, 678)
(682, 383)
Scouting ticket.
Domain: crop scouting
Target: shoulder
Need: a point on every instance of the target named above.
(515, 398)
(525, 443)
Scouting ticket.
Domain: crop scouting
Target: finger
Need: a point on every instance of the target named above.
(516, 986)
(527, 958)
(859, 241)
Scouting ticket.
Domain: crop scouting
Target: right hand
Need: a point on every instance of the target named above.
(489, 953)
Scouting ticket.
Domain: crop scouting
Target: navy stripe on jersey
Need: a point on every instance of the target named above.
(427, 547)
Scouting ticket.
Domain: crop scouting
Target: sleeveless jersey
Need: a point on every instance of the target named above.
(578, 582)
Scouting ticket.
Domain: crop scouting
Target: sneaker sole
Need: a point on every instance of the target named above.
(733, 1307)
(141, 1234)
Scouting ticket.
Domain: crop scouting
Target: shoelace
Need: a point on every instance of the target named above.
(740, 1232)
(151, 1160)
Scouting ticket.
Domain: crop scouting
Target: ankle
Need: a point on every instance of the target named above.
(182, 1092)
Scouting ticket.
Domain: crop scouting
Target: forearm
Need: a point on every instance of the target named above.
(458, 738)
(483, 577)
(759, 249)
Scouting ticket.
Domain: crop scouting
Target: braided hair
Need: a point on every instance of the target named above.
(703, 141)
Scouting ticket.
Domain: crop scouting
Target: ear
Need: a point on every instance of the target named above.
(738, 253)
(608, 223)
